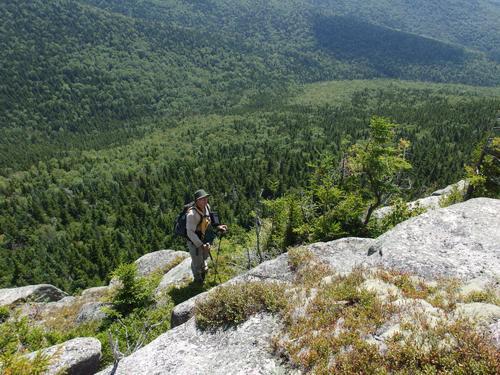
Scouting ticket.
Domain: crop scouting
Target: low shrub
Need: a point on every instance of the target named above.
(234, 304)
(337, 318)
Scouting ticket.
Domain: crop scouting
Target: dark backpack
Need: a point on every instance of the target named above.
(180, 221)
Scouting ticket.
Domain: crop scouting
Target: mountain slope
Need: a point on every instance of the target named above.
(79, 64)
(473, 24)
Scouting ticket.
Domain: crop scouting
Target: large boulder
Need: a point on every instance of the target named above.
(92, 311)
(343, 254)
(461, 241)
(176, 277)
(158, 260)
(187, 350)
(34, 293)
(96, 293)
(78, 356)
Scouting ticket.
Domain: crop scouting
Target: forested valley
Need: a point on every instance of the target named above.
(70, 221)
(114, 112)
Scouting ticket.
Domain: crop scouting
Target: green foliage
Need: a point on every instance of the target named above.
(454, 348)
(107, 70)
(16, 364)
(378, 163)
(70, 221)
(458, 22)
(399, 211)
(4, 313)
(234, 304)
(134, 292)
(485, 178)
(455, 196)
(298, 256)
(138, 328)
(339, 196)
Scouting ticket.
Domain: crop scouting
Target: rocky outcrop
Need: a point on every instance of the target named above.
(35, 293)
(158, 260)
(273, 270)
(344, 254)
(186, 350)
(177, 276)
(431, 202)
(460, 186)
(92, 311)
(457, 241)
(96, 293)
(79, 356)
(461, 241)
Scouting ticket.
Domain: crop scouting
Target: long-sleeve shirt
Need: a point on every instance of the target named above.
(193, 221)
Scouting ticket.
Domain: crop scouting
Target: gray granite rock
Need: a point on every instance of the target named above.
(187, 350)
(35, 293)
(461, 241)
(479, 284)
(483, 313)
(92, 311)
(494, 332)
(185, 310)
(78, 356)
(344, 254)
(382, 289)
(431, 202)
(176, 277)
(96, 293)
(158, 260)
(460, 186)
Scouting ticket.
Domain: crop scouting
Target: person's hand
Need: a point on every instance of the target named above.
(205, 248)
(222, 228)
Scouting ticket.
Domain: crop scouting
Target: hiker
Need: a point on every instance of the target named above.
(198, 228)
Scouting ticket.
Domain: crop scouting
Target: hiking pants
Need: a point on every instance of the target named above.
(199, 265)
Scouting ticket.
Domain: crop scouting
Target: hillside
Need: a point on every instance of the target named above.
(107, 69)
(110, 111)
(473, 24)
(73, 220)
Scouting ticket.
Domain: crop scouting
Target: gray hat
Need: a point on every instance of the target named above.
(198, 194)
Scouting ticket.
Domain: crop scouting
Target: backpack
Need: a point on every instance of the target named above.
(180, 221)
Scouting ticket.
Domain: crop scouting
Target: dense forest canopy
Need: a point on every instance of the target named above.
(469, 23)
(113, 112)
(71, 221)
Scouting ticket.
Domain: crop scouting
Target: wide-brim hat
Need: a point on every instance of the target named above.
(198, 194)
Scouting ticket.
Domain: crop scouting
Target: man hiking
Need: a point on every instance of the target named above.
(198, 225)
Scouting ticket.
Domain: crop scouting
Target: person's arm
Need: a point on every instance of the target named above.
(192, 221)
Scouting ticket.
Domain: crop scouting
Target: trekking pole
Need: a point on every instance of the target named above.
(216, 262)
(215, 267)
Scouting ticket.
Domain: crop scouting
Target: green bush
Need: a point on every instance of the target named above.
(234, 304)
(134, 292)
(4, 313)
(399, 212)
